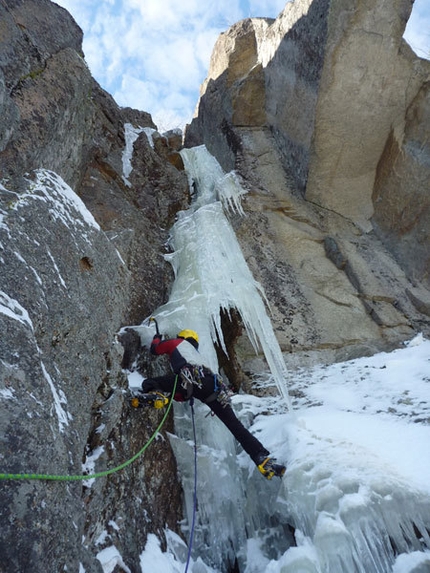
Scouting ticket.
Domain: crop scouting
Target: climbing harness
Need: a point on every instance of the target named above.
(10, 476)
(190, 541)
(191, 376)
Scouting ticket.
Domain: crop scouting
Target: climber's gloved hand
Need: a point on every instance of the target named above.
(155, 342)
(160, 400)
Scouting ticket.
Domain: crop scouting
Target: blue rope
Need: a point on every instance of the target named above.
(190, 542)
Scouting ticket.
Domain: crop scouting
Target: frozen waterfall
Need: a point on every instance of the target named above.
(211, 273)
(344, 505)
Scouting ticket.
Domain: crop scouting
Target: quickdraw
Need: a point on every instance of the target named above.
(193, 376)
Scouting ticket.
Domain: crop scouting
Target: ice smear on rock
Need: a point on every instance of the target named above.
(131, 134)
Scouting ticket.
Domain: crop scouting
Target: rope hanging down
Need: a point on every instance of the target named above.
(42, 477)
(193, 525)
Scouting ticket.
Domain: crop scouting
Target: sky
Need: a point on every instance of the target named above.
(153, 55)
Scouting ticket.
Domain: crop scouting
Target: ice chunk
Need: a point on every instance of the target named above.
(415, 562)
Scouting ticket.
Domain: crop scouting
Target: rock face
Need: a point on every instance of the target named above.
(367, 66)
(334, 152)
(324, 114)
(401, 195)
(70, 281)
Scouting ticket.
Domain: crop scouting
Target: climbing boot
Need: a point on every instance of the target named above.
(155, 399)
(269, 468)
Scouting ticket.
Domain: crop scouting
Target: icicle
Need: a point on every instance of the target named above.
(230, 192)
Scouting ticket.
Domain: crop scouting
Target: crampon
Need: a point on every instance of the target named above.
(269, 468)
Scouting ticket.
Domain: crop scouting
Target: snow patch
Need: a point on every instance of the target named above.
(154, 560)
(134, 379)
(7, 393)
(65, 203)
(59, 398)
(88, 468)
(101, 539)
(63, 284)
(11, 308)
(114, 525)
(110, 558)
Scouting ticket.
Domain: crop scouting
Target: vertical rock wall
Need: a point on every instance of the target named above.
(289, 104)
(369, 78)
(335, 159)
(73, 274)
(401, 195)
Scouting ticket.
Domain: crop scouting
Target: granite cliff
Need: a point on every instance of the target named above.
(70, 281)
(323, 113)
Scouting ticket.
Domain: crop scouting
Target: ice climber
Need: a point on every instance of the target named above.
(195, 379)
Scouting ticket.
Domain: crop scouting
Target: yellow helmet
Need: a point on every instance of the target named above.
(188, 334)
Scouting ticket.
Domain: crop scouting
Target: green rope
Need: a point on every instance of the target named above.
(98, 474)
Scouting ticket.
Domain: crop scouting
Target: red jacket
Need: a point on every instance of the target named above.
(180, 351)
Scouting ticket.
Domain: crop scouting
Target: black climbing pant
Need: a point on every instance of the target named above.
(224, 412)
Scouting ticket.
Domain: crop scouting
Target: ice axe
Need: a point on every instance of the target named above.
(152, 319)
